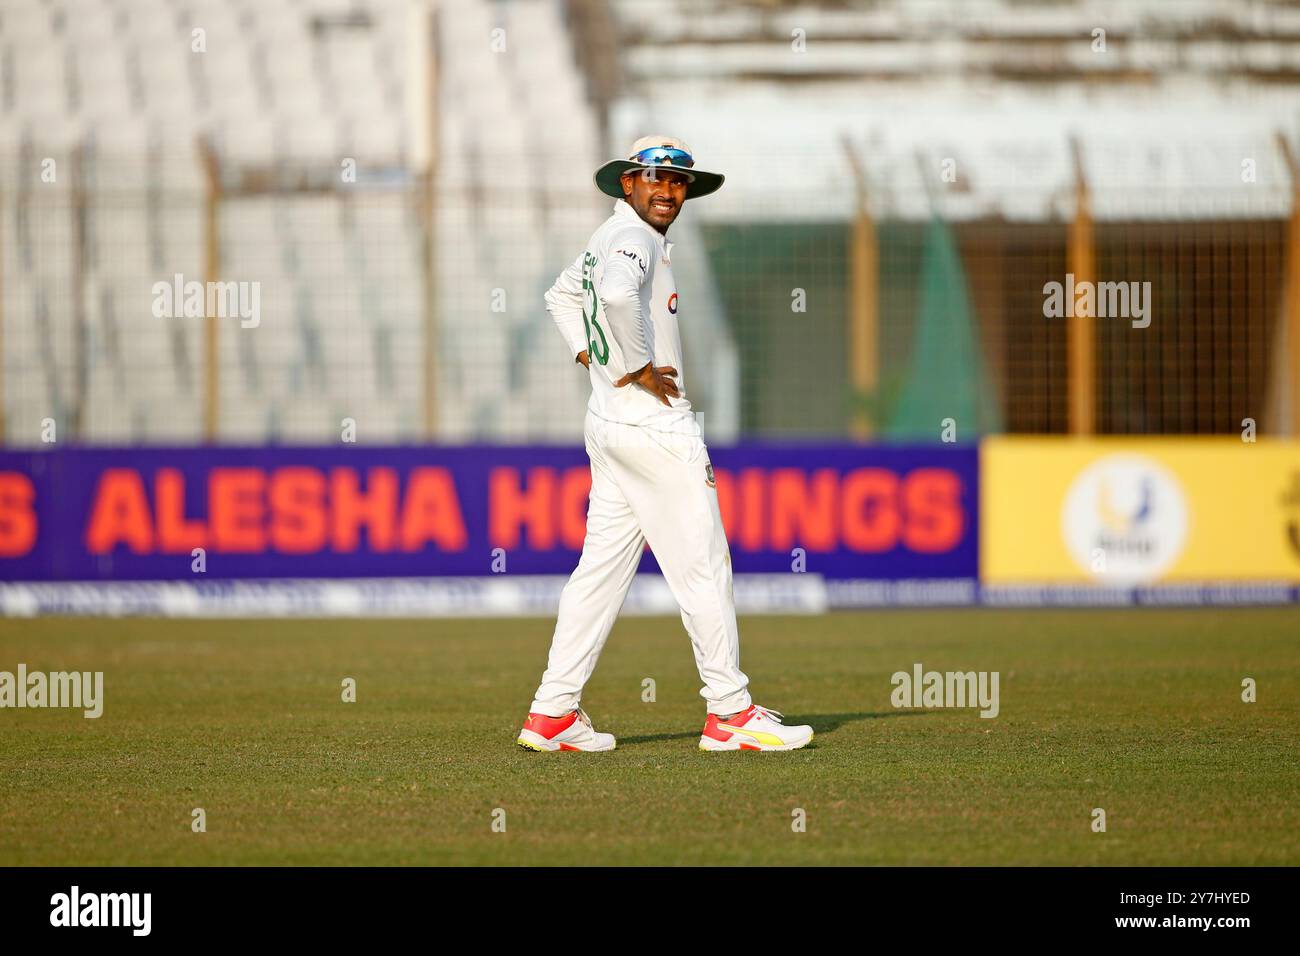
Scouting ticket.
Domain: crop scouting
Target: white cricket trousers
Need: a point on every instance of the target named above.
(653, 486)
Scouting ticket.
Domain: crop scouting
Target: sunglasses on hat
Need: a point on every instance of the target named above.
(664, 156)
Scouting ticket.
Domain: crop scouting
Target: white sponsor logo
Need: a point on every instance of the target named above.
(1124, 519)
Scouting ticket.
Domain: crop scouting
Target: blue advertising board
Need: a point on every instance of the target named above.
(86, 514)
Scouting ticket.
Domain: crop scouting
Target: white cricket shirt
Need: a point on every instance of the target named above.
(618, 301)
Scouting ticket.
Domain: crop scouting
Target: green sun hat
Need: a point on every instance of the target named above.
(658, 152)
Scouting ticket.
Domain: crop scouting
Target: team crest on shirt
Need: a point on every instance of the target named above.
(672, 303)
(708, 475)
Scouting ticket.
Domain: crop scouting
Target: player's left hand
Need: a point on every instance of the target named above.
(657, 380)
(584, 358)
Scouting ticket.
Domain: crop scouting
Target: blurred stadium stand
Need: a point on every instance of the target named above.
(410, 300)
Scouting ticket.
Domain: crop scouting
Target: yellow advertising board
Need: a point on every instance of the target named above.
(1130, 511)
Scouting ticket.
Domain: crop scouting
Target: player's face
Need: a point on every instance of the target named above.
(656, 195)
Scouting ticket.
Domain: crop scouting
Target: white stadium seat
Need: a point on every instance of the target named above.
(341, 277)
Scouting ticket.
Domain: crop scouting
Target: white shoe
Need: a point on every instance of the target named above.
(573, 731)
(754, 729)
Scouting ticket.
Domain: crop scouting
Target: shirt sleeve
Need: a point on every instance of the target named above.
(627, 268)
(564, 302)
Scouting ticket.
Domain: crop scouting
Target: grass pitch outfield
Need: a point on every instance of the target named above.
(1136, 712)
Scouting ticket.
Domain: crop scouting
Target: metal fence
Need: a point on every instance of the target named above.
(411, 310)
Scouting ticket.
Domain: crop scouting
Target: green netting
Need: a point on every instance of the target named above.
(945, 376)
(793, 373)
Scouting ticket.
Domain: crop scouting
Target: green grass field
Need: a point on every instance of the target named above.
(1136, 712)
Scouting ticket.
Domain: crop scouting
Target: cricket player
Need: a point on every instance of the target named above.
(651, 481)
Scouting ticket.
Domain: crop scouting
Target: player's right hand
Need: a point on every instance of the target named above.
(657, 381)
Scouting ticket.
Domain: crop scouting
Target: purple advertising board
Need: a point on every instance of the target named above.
(87, 514)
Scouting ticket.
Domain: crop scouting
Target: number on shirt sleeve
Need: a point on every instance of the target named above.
(591, 311)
